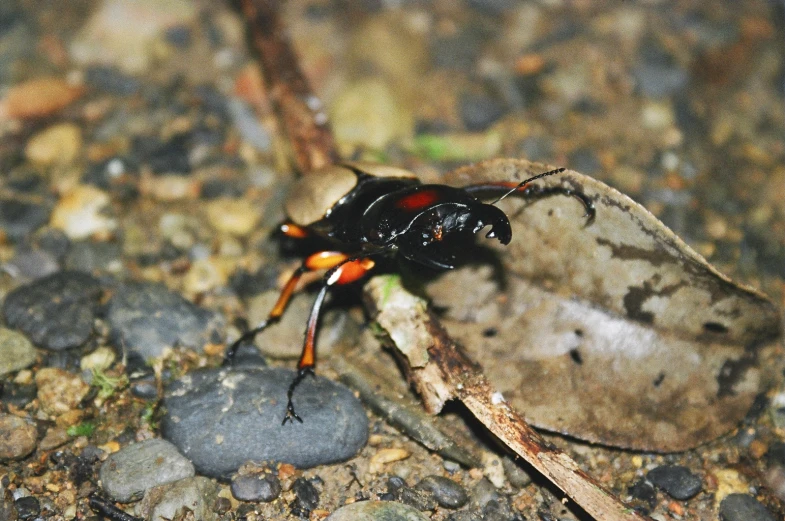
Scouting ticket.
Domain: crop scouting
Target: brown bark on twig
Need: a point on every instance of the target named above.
(300, 112)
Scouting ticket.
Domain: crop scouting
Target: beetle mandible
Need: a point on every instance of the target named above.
(368, 210)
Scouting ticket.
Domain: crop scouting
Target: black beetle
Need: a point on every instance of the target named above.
(368, 210)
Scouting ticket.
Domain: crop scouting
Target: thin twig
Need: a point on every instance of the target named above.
(300, 111)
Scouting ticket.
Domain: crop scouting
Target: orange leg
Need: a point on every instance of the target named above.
(317, 261)
(345, 270)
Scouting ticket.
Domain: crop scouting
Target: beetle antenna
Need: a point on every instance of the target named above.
(527, 181)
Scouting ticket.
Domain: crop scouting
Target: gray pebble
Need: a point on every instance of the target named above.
(446, 492)
(660, 81)
(484, 492)
(57, 311)
(32, 263)
(516, 475)
(255, 487)
(128, 473)
(27, 507)
(16, 351)
(480, 111)
(306, 498)
(167, 502)
(676, 480)
(743, 507)
(377, 511)
(420, 499)
(221, 418)
(94, 256)
(146, 318)
(17, 437)
(248, 125)
(19, 219)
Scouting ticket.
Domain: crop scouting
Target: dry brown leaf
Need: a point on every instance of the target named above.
(616, 332)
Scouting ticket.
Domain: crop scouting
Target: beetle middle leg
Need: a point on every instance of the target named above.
(345, 270)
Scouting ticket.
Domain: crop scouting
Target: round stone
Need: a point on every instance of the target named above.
(377, 511)
(128, 473)
(222, 418)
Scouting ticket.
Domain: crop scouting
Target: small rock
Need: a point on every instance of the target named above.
(484, 492)
(205, 275)
(377, 511)
(128, 473)
(255, 486)
(367, 113)
(643, 492)
(497, 510)
(56, 312)
(446, 492)
(166, 157)
(419, 499)
(516, 475)
(234, 216)
(306, 498)
(39, 97)
(18, 219)
(16, 352)
(660, 81)
(92, 257)
(32, 264)
(248, 125)
(57, 145)
(457, 51)
(147, 318)
(17, 437)
(676, 480)
(111, 80)
(27, 507)
(81, 213)
(18, 394)
(167, 502)
(128, 35)
(59, 391)
(54, 437)
(221, 418)
(99, 360)
(585, 160)
(479, 111)
(743, 507)
(385, 456)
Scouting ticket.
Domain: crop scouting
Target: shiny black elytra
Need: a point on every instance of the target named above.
(368, 210)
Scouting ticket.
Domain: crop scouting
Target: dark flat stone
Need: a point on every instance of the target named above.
(222, 418)
(743, 507)
(679, 482)
(146, 318)
(57, 311)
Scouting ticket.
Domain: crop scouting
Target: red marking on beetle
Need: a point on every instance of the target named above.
(417, 200)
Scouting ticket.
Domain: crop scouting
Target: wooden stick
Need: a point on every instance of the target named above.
(300, 111)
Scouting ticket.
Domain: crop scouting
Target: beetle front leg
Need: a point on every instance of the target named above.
(534, 191)
(538, 191)
(318, 261)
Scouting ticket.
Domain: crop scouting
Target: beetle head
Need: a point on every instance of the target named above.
(439, 235)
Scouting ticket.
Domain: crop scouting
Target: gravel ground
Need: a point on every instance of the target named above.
(142, 175)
